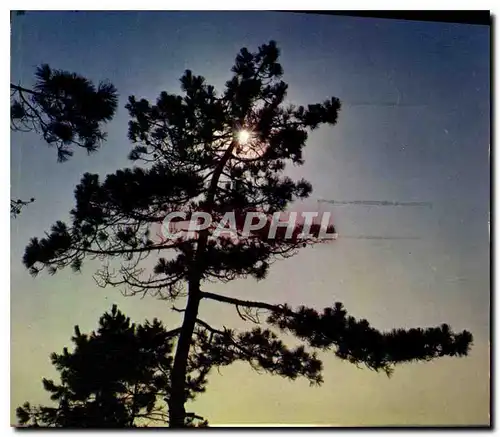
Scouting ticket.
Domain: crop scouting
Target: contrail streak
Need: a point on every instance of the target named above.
(375, 237)
(386, 104)
(375, 203)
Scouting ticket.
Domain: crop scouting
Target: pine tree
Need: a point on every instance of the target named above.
(211, 152)
(117, 376)
(66, 109)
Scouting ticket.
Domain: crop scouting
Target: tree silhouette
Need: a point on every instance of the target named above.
(66, 109)
(214, 153)
(115, 377)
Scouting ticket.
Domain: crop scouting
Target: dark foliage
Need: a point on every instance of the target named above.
(359, 343)
(195, 160)
(117, 376)
(16, 206)
(65, 108)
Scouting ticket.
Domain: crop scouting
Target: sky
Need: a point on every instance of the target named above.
(414, 127)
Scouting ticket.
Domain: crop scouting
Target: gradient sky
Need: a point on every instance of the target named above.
(433, 147)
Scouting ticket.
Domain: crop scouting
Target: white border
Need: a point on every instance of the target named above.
(159, 5)
(198, 5)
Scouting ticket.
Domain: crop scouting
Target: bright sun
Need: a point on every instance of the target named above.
(249, 146)
(243, 136)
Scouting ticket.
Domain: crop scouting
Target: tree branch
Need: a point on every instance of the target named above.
(240, 302)
(24, 90)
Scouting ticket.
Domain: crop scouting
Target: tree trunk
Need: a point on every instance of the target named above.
(176, 404)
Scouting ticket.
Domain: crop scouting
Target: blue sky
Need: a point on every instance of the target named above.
(431, 145)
